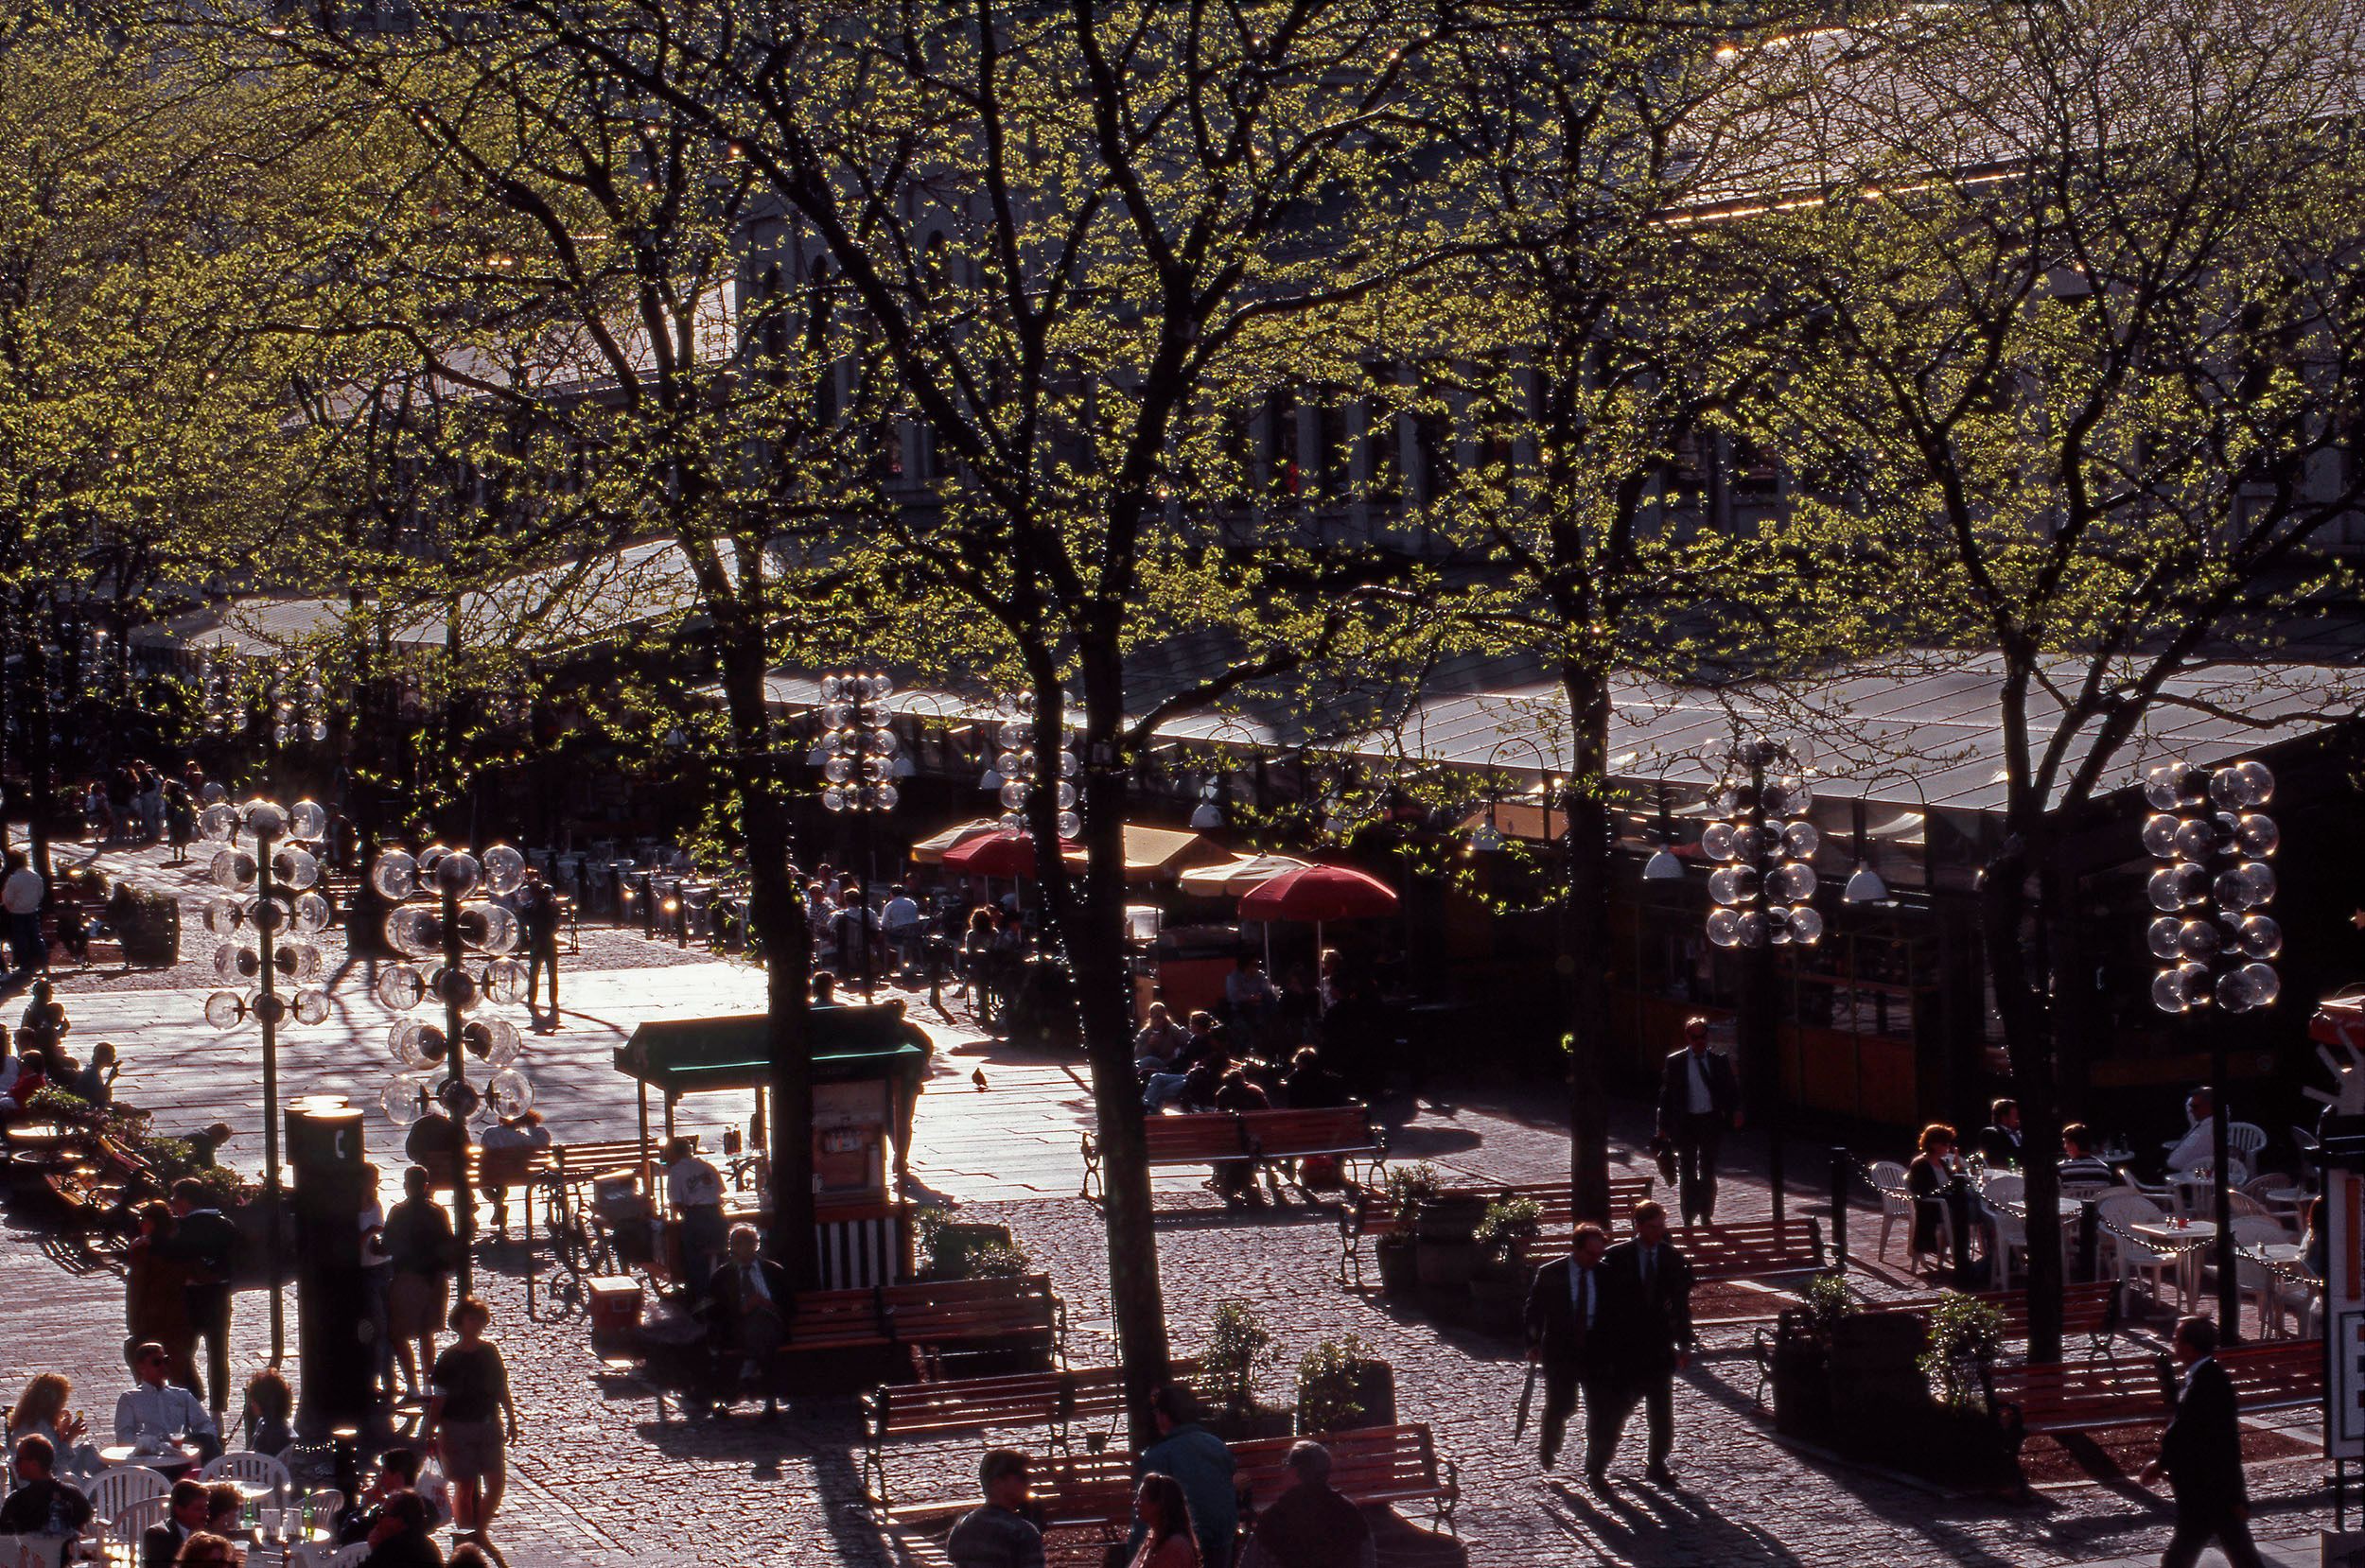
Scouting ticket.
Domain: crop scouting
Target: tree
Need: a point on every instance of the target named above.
(1607, 355)
(586, 331)
(144, 210)
(2092, 310)
(1088, 244)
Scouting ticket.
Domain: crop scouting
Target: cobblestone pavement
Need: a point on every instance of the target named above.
(600, 1479)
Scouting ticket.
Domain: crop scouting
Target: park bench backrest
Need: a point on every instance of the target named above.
(1285, 1134)
(1368, 1464)
(949, 1311)
(1193, 1140)
(1557, 1198)
(2083, 1395)
(823, 1318)
(1757, 1247)
(1013, 1399)
(2275, 1376)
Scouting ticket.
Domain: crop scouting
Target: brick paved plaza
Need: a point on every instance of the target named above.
(600, 1479)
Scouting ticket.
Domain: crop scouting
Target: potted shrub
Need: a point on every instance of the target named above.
(1341, 1386)
(1231, 1359)
(1499, 1283)
(146, 921)
(1446, 1250)
(1408, 1186)
(1799, 1363)
(953, 1250)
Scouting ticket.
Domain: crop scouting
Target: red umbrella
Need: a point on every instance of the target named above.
(1318, 894)
(994, 855)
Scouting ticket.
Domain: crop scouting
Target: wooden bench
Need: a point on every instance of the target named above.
(1055, 1400)
(2283, 1374)
(2092, 1310)
(1266, 1137)
(1366, 1213)
(931, 1316)
(2082, 1396)
(1368, 1465)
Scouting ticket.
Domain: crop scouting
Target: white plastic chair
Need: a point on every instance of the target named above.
(32, 1550)
(2246, 1140)
(2010, 1230)
(1888, 1179)
(257, 1470)
(118, 1488)
(119, 1542)
(2134, 1255)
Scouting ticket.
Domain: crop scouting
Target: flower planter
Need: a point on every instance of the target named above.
(1498, 1295)
(1372, 1389)
(1399, 1269)
(1253, 1424)
(1447, 1250)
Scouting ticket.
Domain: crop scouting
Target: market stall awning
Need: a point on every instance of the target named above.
(930, 850)
(1234, 877)
(1154, 854)
(693, 1055)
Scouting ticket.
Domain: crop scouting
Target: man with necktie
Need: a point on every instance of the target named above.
(1647, 1323)
(747, 1317)
(2201, 1451)
(1564, 1315)
(1698, 1099)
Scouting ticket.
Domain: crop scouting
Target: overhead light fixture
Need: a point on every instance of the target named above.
(1865, 887)
(1206, 815)
(1663, 866)
(1486, 841)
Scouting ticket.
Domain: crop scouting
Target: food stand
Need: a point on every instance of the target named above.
(869, 1067)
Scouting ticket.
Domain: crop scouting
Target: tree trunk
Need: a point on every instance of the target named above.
(1091, 929)
(2022, 992)
(776, 912)
(1585, 940)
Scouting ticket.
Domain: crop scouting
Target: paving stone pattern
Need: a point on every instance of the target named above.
(600, 1479)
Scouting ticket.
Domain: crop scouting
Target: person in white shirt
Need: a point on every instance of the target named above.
(154, 1411)
(2198, 1146)
(21, 896)
(901, 920)
(693, 1190)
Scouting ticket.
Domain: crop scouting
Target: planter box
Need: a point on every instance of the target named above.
(1399, 1268)
(1373, 1392)
(1252, 1425)
(147, 925)
(1498, 1298)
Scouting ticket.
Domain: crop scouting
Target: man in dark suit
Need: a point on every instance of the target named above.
(2201, 1452)
(1698, 1099)
(1566, 1331)
(1646, 1288)
(746, 1313)
(161, 1543)
(1999, 1140)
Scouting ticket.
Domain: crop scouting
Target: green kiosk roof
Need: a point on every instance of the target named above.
(681, 1056)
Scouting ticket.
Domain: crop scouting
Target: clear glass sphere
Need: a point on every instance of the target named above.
(2195, 839)
(2260, 936)
(500, 931)
(461, 1101)
(834, 799)
(1010, 822)
(504, 1044)
(2247, 885)
(1724, 927)
(395, 876)
(399, 986)
(1750, 843)
(224, 916)
(236, 962)
(312, 914)
(1069, 765)
(404, 1100)
(504, 869)
(2161, 788)
(266, 819)
(837, 770)
(225, 1009)
(298, 961)
(1753, 928)
(1800, 840)
(1070, 825)
(2197, 940)
(1733, 884)
(232, 869)
(454, 987)
(885, 796)
(269, 915)
(312, 1007)
(1793, 883)
(1806, 925)
(2167, 992)
(294, 867)
(1013, 795)
(2264, 983)
(457, 873)
(2255, 834)
(213, 795)
(1066, 794)
(2160, 835)
(505, 982)
(2165, 938)
(833, 688)
(1716, 841)
(217, 821)
(305, 818)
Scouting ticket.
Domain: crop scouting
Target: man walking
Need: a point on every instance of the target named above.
(1698, 1098)
(1567, 1332)
(2201, 1452)
(20, 895)
(1648, 1288)
(205, 1242)
(537, 912)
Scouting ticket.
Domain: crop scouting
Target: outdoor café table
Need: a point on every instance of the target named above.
(2290, 1199)
(2188, 1240)
(173, 1461)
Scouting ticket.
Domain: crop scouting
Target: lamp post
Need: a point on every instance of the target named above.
(433, 916)
(1762, 846)
(858, 772)
(2213, 935)
(275, 875)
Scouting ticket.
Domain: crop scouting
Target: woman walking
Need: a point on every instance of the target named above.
(468, 1416)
